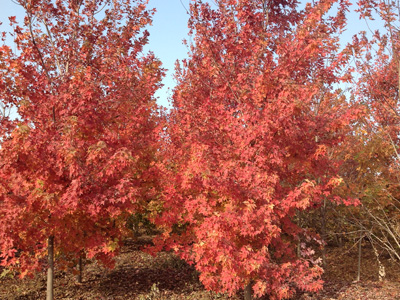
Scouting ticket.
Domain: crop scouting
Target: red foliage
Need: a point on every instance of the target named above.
(79, 156)
(255, 115)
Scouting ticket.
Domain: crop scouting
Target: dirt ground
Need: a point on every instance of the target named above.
(140, 276)
(341, 272)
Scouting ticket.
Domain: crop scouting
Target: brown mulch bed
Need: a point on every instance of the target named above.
(138, 275)
(341, 273)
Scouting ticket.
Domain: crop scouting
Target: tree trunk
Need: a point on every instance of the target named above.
(80, 270)
(50, 270)
(323, 232)
(359, 258)
(248, 292)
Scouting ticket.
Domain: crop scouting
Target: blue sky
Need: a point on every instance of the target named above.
(166, 35)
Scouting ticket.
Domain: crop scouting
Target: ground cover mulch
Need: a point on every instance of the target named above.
(138, 275)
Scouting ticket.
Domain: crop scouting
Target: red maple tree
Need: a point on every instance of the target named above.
(254, 115)
(78, 156)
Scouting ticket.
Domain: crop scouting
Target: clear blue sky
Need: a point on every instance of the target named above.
(166, 35)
